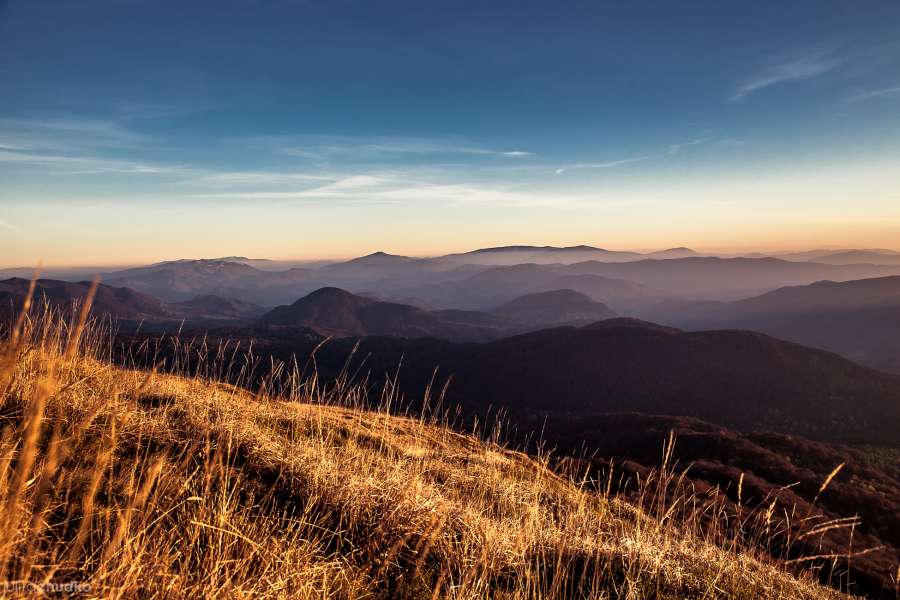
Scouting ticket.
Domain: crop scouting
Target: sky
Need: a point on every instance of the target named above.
(135, 130)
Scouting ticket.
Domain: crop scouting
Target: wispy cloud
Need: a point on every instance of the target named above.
(328, 148)
(797, 68)
(86, 165)
(237, 178)
(875, 93)
(670, 150)
(602, 165)
(347, 187)
(183, 175)
(676, 148)
(68, 134)
(399, 188)
(74, 146)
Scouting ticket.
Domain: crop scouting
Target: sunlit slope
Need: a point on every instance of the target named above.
(164, 486)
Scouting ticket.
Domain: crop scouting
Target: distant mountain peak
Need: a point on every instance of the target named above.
(328, 292)
(677, 252)
(220, 259)
(583, 247)
(378, 259)
(206, 263)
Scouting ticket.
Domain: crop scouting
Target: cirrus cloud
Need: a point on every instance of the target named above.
(796, 68)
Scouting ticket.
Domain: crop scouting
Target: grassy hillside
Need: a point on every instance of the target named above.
(157, 485)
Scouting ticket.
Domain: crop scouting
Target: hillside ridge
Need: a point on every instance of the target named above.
(301, 496)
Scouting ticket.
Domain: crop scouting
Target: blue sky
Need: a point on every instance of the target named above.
(133, 130)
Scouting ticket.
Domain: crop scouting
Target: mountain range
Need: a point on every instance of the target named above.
(127, 306)
(515, 255)
(847, 257)
(462, 299)
(857, 319)
(118, 302)
(183, 280)
(483, 286)
(446, 281)
(337, 313)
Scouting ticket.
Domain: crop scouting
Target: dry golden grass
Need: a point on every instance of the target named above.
(150, 485)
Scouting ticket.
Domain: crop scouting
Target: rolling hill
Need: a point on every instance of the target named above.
(738, 379)
(824, 296)
(376, 259)
(680, 252)
(180, 281)
(128, 308)
(119, 302)
(632, 287)
(849, 257)
(489, 287)
(726, 278)
(514, 255)
(337, 313)
(555, 307)
(857, 319)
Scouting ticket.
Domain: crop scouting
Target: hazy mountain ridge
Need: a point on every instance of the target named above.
(673, 272)
(338, 313)
(858, 319)
(722, 277)
(680, 291)
(120, 302)
(127, 307)
(629, 287)
(182, 281)
(847, 257)
(512, 255)
(554, 307)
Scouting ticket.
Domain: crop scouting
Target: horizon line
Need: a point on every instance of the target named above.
(733, 252)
